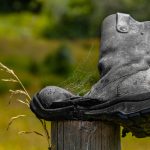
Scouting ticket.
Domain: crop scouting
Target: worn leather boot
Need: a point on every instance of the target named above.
(122, 95)
(125, 74)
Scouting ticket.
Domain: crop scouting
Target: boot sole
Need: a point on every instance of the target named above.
(50, 114)
(131, 112)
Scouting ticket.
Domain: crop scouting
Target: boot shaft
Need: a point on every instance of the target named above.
(124, 58)
(124, 42)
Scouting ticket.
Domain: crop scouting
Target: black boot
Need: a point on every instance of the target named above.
(122, 95)
(125, 68)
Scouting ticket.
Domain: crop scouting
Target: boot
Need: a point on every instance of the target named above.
(125, 74)
(122, 95)
(125, 58)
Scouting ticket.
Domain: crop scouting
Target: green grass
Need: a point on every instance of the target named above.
(17, 53)
(25, 25)
(11, 139)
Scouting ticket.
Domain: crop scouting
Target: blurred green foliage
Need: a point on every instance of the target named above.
(75, 22)
(64, 18)
(34, 67)
(50, 63)
(4, 88)
(8, 6)
(24, 25)
(60, 62)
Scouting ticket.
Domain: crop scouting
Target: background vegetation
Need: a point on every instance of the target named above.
(53, 43)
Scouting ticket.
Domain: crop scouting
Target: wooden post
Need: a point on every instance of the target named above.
(84, 135)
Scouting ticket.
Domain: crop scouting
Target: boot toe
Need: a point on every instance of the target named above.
(51, 94)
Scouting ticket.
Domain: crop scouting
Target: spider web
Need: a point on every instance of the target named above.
(82, 77)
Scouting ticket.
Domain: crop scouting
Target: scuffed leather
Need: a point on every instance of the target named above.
(125, 58)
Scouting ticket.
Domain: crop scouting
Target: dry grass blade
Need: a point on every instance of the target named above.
(13, 119)
(5, 68)
(9, 80)
(11, 72)
(21, 101)
(43, 122)
(17, 92)
(27, 100)
(29, 132)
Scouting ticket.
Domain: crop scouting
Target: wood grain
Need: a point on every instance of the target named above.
(84, 135)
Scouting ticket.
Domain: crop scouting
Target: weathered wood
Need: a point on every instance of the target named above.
(84, 135)
(54, 139)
